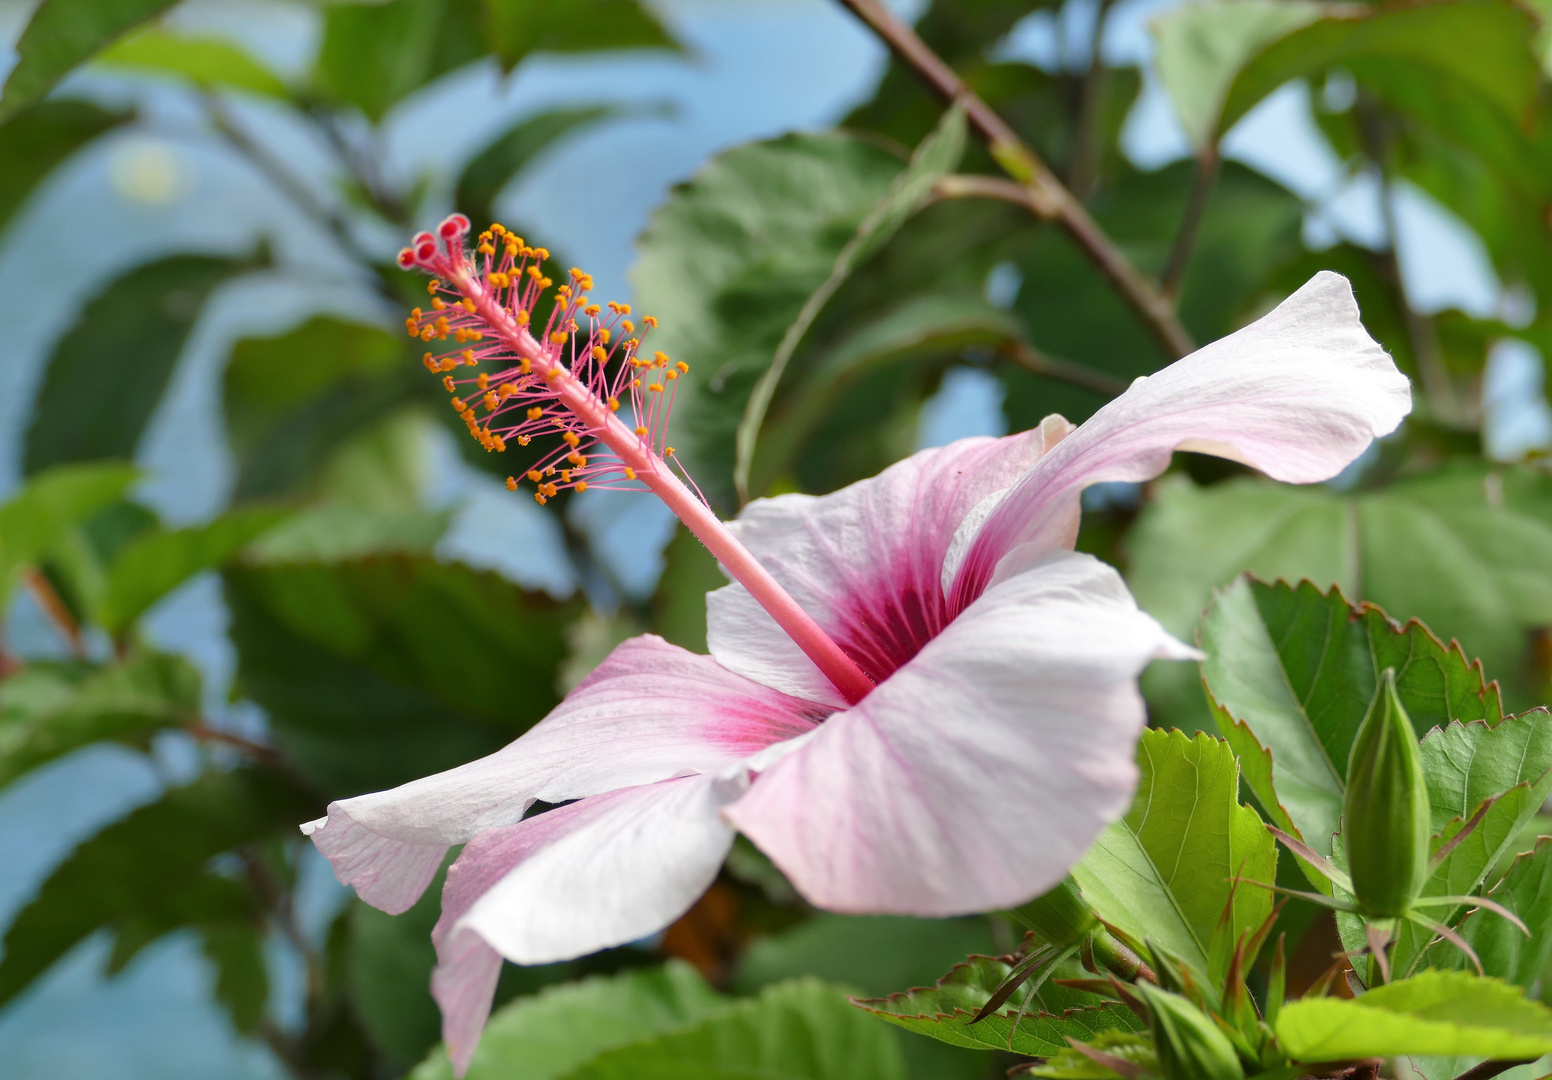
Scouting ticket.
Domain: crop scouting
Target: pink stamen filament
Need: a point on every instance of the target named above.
(587, 403)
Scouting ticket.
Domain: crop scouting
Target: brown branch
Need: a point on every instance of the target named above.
(56, 609)
(202, 732)
(1094, 96)
(1033, 360)
(1202, 180)
(1047, 198)
(1492, 1068)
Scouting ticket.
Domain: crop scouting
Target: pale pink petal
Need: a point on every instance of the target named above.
(1297, 394)
(866, 561)
(597, 873)
(650, 711)
(981, 770)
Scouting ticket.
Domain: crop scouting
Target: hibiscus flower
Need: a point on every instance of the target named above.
(978, 738)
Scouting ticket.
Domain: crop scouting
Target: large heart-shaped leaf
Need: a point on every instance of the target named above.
(1290, 671)
(1166, 871)
(1438, 1012)
(1037, 1024)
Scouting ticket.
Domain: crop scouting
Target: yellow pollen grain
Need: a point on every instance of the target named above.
(506, 390)
(682, 368)
(660, 357)
(520, 317)
(439, 304)
(655, 388)
(565, 476)
(523, 440)
(581, 486)
(558, 337)
(533, 474)
(599, 354)
(447, 381)
(431, 363)
(526, 366)
(468, 357)
(641, 431)
(571, 439)
(511, 483)
(628, 326)
(630, 473)
(650, 320)
(670, 375)
(490, 401)
(535, 412)
(486, 249)
(484, 381)
(614, 404)
(433, 285)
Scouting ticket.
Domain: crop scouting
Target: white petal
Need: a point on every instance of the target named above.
(982, 770)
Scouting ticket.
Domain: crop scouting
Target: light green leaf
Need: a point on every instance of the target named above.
(1200, 48)
(62, 34)
(1484, 45)
(1505, 951)
(1071, 1065)
(146, 874)
(432, 664)
(106, 376)
(338, 531)
(48, 507)
(158, 562)
(1438, 1012)
(48, 710)
(728, 262)
(1289, 674)
(545, 1036)
(945, 1011)
(1164, 872)
(799, 1030)
(41, 137)
(936, 157)
(202, 61)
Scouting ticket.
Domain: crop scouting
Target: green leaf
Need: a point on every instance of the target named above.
(158, 562)
(1483, 45)
(1164, 872)
(1505, 951)
(38, 139)
(1289, 673)
(799, 1030)
(1037, 1025)
(203, 61)
(1200, 48)
(1438, 1012)
(501, 159)
(1071, 1065)
(1466, 550)
(146, 874)
(48, 710)
(728, 262)
(937, 156)
(292, 399)
(679, 604)
(431, 664)
(106, 376)
(391, 959)
(62, 34)
(49, 507)
(375, 56)
(236, 951)
(545, 1036)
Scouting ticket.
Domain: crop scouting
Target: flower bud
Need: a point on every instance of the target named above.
(1189, 1045)
(1385, 814)
(1061, 917)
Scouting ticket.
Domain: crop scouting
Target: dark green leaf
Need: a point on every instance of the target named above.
(106, 375)
(1505, 951)
(158, 562)
(1166, 871)
(936, 157)
(1481, 44)
(516, 28)
(728, 261)
(1037, 1025)
(1437, 1012)
(62, 34)
(49, 507)
(48, 710)
(800, 1030)
(501, 159)
(545, 1036)
(391, 957)
(147, 873)
(203, 61)
(236, 951)
(34, 142)
(679, 604)
(1290, 672)
(376, 671)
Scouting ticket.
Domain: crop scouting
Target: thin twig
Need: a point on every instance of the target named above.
(1207, 163)
(1033, 360)
(56, 609)
(1047, 197)
(202, 732)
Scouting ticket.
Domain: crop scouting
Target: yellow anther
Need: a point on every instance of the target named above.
(628, 326)
(438, 304)
(484, 381)
(636, 382)
(630, 473)
(558, 337)
(641, 431)
(413, 327)
(565, 476)
(511, 483)
(523, 440)
(549, 471)
(540, 499)
(486, 249)
(428, 332)
(416, 313)
(500, 280)
(433, 285)
(655, 388)
(592, 310)
(650, 320)
(670, 374)
(468, 357)
(554, 373)
(441, 325)
(460, 335)
(448, 363)
(513, 238)
(571, 439)
(603, 335)
(458, 405)
(484, 236)
(475, 335)
(599, 354)
(682, 368)
(497, 229)
(447, 381)
(581, 486)
(668, 449)
(468, 305)
(501, 444)
(614, 404)
(490, 401)
(541, 253)
(513, 250)
(545, 283)
(526, 366)
(431, 363)
(535, 412)
(505, 390)
(575, 458)
(535, 273)
(520, 317)
(660, 357)
(533, 474)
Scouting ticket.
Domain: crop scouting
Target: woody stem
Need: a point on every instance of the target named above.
(634, 451)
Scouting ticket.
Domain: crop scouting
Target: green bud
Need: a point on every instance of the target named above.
(1061, 917)
(1188, 1043)
(1385, 815)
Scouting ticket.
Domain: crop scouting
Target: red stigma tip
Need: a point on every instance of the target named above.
(453, 227)
(406, 258)
(426, 252)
